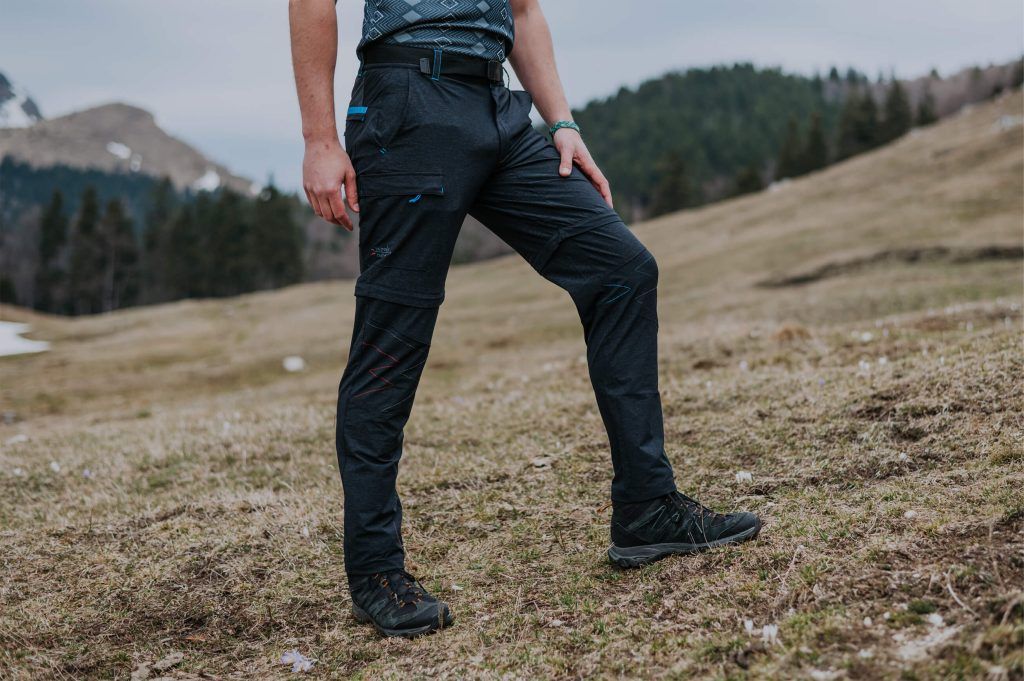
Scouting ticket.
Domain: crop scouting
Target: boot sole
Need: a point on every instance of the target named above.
(635, 556)
(363, 616)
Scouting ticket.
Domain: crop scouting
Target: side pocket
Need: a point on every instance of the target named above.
(388, 112)
(376, 112)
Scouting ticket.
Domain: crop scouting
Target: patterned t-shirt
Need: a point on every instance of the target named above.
(481, 28)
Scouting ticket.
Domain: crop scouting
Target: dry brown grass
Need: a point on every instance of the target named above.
(891, 490)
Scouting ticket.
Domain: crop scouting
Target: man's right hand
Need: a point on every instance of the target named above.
(326, 168)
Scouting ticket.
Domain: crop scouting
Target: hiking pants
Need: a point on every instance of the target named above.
(427, 152)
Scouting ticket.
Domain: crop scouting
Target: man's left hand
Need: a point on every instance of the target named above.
(570, 145)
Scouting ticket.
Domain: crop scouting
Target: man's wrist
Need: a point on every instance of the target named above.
(327, 137)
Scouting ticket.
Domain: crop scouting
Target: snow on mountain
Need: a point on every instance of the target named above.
(122, 151)
(208, 182)
(17, 110)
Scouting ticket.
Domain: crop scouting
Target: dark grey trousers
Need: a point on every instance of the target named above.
(427, 153)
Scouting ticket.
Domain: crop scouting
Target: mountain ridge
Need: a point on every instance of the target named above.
(116, 137)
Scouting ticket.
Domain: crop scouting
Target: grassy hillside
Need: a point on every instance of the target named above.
(853, 340)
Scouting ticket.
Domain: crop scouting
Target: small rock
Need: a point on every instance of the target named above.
(55, 467)
(169, 661)
(910, 514)
(541, 462)
(294, 363)
(744, 476)
(16, 439)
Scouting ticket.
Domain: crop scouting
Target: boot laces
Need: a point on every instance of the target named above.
(702, 513)
(401, 587)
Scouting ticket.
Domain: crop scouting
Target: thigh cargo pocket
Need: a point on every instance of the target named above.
(412, 185)
(405, 237)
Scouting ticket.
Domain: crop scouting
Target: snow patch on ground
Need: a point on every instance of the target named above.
(122, 151)
(208, 182)
(11, 342)
(1005, 123)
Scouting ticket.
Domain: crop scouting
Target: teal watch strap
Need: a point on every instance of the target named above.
(564, 124)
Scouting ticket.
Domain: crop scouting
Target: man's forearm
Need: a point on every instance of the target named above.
(314, 33)
(534, 61)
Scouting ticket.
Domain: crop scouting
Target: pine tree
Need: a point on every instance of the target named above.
(898, 115)
(846, 142)
(50, 273)
(673, 190)
(926, 114)
(277, 239)
(154, 257)
(229, 259)
(815, 151)
(867, 128)
(1018, 74)
(121, 261)
(8, 291)
(747, 181)
(789, 153)
(87, 259)
(858, 125)
(183, 275)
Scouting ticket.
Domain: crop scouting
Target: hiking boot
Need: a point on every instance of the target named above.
(396, 604)
(648, 531)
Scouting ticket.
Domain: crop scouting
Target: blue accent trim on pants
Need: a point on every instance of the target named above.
(436, 75)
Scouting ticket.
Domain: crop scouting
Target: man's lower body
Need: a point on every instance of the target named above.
(429, 149)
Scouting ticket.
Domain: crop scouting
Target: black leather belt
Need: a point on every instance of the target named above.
(435, 63)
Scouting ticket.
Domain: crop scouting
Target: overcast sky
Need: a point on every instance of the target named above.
(217, 74)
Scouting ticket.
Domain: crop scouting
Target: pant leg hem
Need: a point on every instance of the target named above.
(645, 494)
(379, 568)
